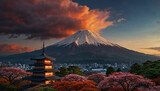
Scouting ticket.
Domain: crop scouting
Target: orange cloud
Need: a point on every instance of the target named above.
(46, 19)
(6, 49)
(121, 19)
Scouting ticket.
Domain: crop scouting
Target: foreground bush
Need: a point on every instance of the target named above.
(5, 87)
(4, 81)
(47, 89)
(96, 77)
(75, 86)
(73, 77)
(128, 81)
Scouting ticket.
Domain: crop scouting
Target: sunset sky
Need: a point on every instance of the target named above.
(24, 24)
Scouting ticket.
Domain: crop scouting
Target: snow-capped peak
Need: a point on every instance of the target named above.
(85, 36)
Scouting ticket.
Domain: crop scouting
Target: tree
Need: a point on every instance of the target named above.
(96, 77)
(75, 70)
(109, 71)
(128, 81)
(118, 70)
(63, 71)
(135, 68)
(150, 69)
(73, 77)
(75, 86)
(12, 74)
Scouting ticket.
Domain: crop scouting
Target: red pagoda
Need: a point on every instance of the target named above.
(43, 70)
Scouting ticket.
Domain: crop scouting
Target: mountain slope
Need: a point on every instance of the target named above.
(85, 47)
(83, 37)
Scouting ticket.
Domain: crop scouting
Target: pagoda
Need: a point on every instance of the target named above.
(43, 72)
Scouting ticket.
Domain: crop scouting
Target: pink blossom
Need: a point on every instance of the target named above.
(73, 77)
(96, 77)
(12, 74)
(127, 80)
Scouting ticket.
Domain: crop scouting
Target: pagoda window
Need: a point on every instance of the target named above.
(47, 61)
(49, 74)
(49, 81)
(48, 67)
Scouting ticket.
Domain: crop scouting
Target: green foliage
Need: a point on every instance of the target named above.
(149, 69)
(63, 71)
(109, 71)
(75, 70)
(5, 87)
(118, 70)
(135, 68)
(47, 89)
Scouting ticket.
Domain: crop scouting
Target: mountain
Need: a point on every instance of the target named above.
(84, 47)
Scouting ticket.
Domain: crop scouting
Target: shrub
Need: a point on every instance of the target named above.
(5, 87)
(73, 77)
(109, 71)
(96, 77)
(47, 89)
(89, 89)
(73, 85)
(4, 81)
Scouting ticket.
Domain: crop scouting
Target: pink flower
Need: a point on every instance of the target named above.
(126, 80)
(96, 77)
(73, 77)
(12, 74)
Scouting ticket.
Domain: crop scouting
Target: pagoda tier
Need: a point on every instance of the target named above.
(43, 64)
(42, 57)
(33, 78)
(43, 70)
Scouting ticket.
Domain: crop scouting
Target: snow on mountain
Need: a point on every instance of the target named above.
(85, 37)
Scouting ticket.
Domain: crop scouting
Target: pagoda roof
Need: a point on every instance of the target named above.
(42, 64)
(32, 78)
(43, 56)
(44, 70)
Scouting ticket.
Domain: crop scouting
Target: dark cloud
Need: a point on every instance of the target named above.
(49, 19)
(153, 48)
(6, 49)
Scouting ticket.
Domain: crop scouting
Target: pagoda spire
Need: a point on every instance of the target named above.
(43, 53)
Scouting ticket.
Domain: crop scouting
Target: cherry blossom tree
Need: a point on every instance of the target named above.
(12, 74)
(73, 77)
(96, 77)
(128, 81)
